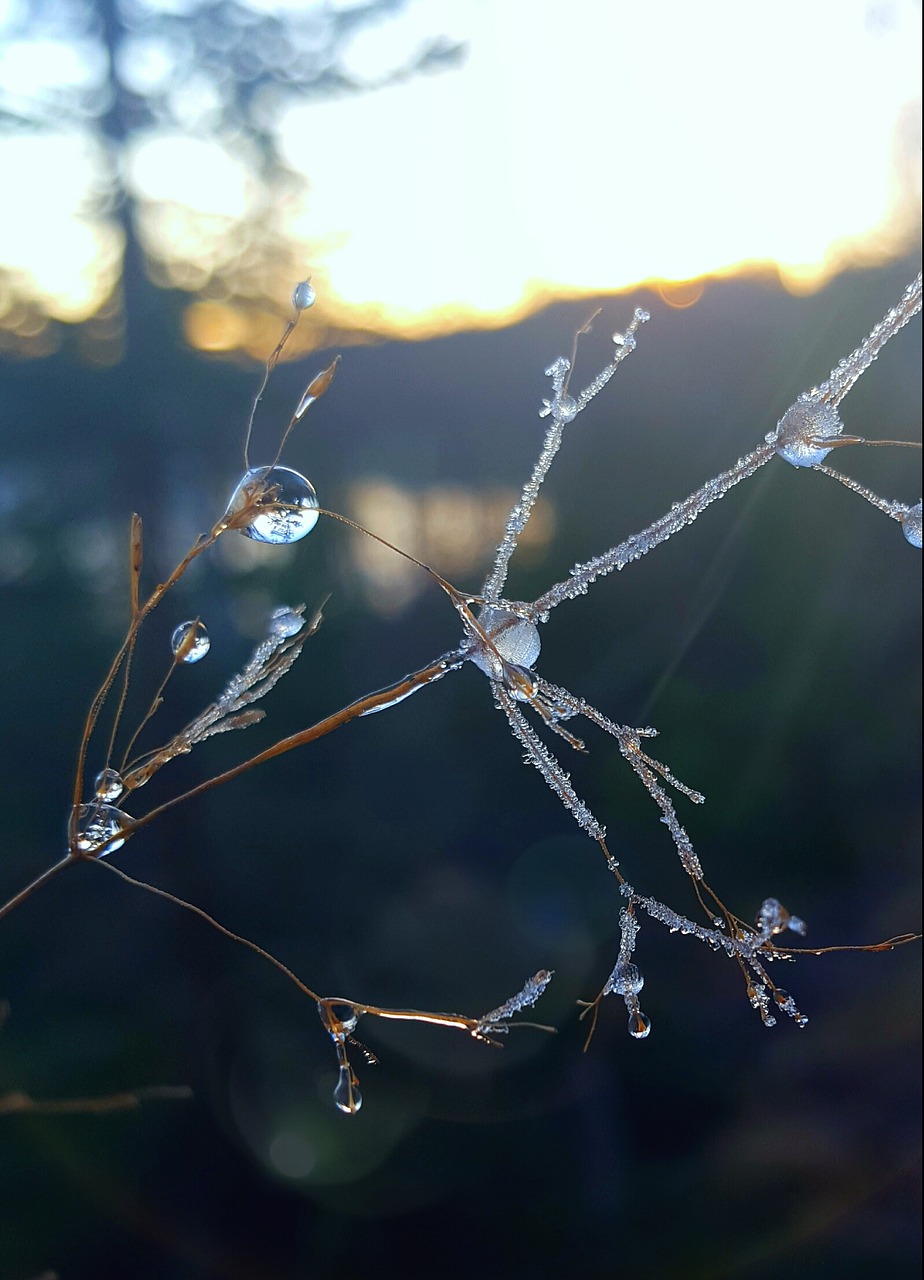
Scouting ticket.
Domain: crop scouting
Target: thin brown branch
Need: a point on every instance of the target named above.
(17, 1103)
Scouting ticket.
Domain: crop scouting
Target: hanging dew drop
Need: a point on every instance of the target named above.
(285, 502)
(639, 1024)
(108, 785)
(99, 827)
(347, 1095)
(303, 296)
(190, 642)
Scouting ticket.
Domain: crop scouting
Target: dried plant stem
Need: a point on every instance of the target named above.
(364, 706)
(37, 883)
(18, 1103)
(204, 915)
(96, 705)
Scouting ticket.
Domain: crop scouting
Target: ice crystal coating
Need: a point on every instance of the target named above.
(99, 827)
(495, 1022)
(108, 785)
(773, 918)
(287, 502)
(516, 639)
(303, 296)
(911, 524)
(190, 642)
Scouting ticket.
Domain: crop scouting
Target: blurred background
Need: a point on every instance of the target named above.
(464, 183)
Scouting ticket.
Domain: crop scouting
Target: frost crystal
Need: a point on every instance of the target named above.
(495, 1022)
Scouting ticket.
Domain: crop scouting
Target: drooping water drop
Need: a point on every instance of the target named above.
(190, 642)
(639, 1024)
(98, 828)
(286, 503)
(108, 785)
(516, 639)
(522, 683)
(347, 1095)
(303, 296)
(911, 524)
(285, 622)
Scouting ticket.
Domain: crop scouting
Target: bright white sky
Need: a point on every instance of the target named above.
(585, 146)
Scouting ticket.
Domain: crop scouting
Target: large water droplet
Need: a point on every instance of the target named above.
(347, 1095)
(190, 642)
(803, 429)
(516, 639)
(285, 622)
(303, 296)
(108, 785)
(911, 525)
(625, 980)
(286, 516)
(98, 828)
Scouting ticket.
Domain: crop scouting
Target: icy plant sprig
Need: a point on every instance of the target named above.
(277, 505)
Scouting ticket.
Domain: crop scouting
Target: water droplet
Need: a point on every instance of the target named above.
(641, 316)
(303, 296)
(285, 622)
(192, 639)
(98, 828)
(619, 339)
(108, 785)
(516, 639)
(639, 1024)
(286, 516)
(347, 1095)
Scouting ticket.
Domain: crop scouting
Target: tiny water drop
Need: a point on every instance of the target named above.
(347, 1095)
(98, 828)
(285, 622)
(190, 642)
(286, 504)
(639, 1024)
(108, 785)
(303, 296)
